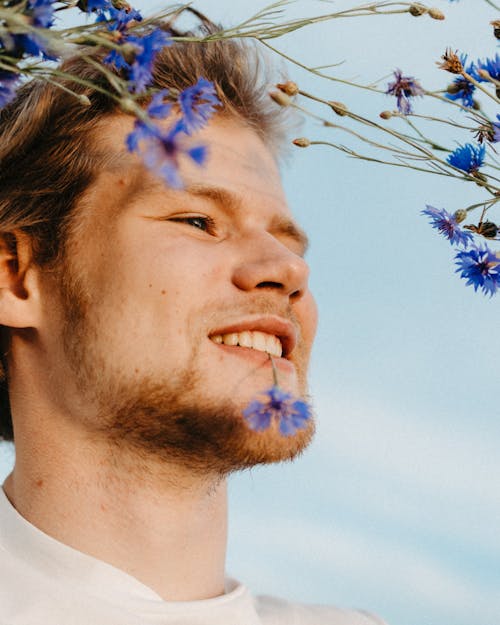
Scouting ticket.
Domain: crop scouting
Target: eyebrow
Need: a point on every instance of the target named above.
(231, 202)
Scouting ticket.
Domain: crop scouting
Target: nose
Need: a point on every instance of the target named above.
(266, 263)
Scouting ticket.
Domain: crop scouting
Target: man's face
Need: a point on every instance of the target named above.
(160, 284)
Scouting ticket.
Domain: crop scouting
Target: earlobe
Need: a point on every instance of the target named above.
(18, 281)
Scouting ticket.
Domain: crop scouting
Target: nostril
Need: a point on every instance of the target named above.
(269, 285)
(296, 294)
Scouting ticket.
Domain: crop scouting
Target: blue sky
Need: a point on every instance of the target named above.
(395, 508)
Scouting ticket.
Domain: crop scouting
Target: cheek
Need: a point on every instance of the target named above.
(307, 313)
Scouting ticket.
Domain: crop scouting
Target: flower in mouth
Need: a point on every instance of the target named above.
(291, 414)
(277, 405)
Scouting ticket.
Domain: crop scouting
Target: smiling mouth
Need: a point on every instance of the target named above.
(260, 341)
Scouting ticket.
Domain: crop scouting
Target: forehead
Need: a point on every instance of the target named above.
(237, 161)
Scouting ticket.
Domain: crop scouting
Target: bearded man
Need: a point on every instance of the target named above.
(138, 322)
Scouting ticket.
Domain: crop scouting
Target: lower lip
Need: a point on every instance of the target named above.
(257, 356)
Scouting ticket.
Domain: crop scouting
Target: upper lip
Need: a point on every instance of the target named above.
(282, 328)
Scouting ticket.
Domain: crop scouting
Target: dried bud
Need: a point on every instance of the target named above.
(451, 62)
(436, 14)
(280, 98)
(484, 73)
(289, 87)
(339, 107)
(417, 9)
(302, 142)
(496, 28)
(460, 215)
(386, 115)
(488, 229)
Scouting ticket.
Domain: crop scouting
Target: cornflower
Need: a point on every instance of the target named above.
(197, 104)
(462, 89)
(139, 71)
(404, 88)
(479, 266)
(492, 66)
(448, 226)
(41, 15)
(277, 405)
(468, 157)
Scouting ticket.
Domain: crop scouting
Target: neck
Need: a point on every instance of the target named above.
(163, 526)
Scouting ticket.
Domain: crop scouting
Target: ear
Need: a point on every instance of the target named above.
(19, 290)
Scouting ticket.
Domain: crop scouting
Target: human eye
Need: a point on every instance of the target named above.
(201, 222)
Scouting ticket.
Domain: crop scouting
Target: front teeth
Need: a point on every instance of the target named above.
(255, 340)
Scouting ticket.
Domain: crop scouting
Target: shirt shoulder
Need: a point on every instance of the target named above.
(275, 611)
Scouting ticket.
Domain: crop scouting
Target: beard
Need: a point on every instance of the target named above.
(170, 419)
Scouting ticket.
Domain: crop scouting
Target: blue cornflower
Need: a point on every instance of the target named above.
(462, 90)
(41, 15)
(492, 66)
(141, 71)
(161, 150)
(158, 108)
(8, 84)
(197, 104)
(448, 226)
(292, 414)
(479, 266)
(404, 88)
(468, 157)
(96, 6)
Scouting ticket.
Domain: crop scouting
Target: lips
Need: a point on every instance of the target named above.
(273, 335)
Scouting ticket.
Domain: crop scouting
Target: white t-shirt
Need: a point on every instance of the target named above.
(45, 582)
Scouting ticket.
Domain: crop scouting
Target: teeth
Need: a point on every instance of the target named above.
(261, 341)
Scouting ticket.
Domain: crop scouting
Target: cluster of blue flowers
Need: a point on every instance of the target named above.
(132, 58)
(479, 265)
(37, 14)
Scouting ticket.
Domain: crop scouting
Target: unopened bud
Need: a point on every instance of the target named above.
(484, 73)
(289, 87)
(339, 107)
(453, 88)
(128, 106)
(489, 230)
(280, 98)
(302, 142)
(436, 14)
(84, 100)
(385, 115)
(496, 28)
(460, 215)
(417, 9)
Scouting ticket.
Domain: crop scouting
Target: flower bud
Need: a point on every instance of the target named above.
(302, 142)
(128, 106)
(417, 9)
(460, 215)
(339, 107)
(496, 28)
(385, 115)
(436, 14)
(84, 100)
(483, 73)
(489, 230)
(289, 87)
(280, 98)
